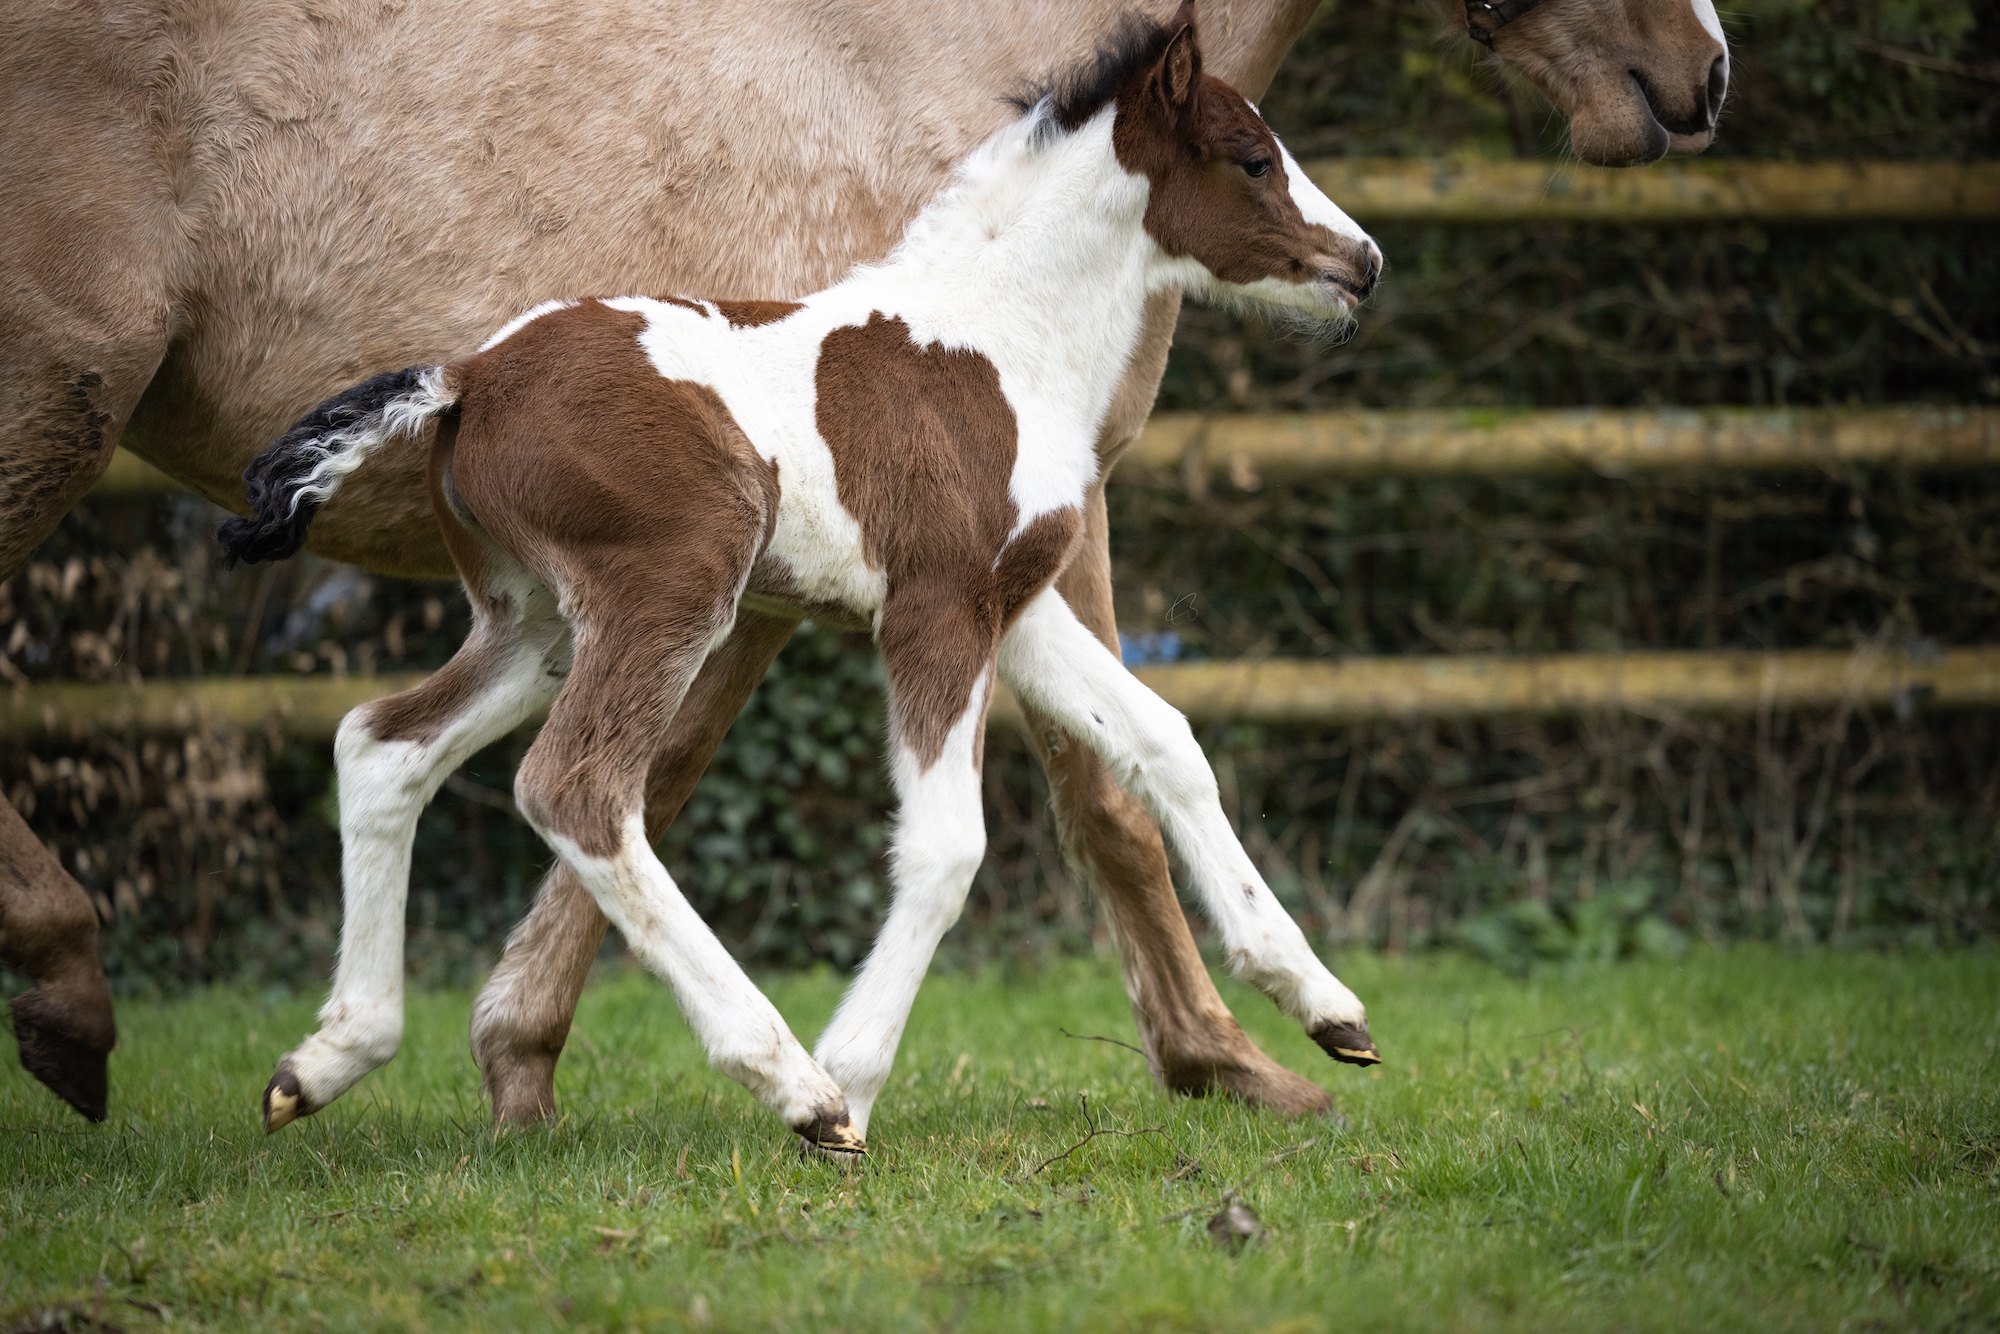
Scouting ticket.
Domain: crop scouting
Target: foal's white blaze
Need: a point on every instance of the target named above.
(1314, 204)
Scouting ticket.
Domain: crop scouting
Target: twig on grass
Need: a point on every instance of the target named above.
(1093, 1037)
(1083, 1099)
(1230, 1196)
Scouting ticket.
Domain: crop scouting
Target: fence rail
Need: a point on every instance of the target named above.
(1255, 446)
(1281, 691)
(1426, 190)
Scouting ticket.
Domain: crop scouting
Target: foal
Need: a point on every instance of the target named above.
(909, 450)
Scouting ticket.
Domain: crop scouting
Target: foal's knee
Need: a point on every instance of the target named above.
(947, 856)
(1171, 764)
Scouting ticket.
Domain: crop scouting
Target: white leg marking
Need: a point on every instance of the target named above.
(384, 786)
(1059, 667)
(742, 1032)
(939, 841)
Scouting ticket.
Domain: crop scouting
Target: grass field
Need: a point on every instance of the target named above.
(1748, 1140)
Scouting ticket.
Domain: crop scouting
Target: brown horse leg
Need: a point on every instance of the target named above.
(1192, 1042)
(70, 381)
(49, 931)
(522, 1017)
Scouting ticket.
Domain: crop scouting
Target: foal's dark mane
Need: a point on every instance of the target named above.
(1076, 94)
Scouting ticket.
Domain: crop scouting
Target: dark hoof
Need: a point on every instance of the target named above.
(1347, 1043)
(283, 1102)
(523, 1091)
(72, 1069)
(831, 1135)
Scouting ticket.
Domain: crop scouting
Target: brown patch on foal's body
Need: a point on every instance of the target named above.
(924, 442)
(750, 314)
(662, 507)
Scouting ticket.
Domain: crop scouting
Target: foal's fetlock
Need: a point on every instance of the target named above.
(1347, 1041)
(831, 1133)
(284, 1100)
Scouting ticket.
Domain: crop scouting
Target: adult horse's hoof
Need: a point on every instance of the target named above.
(73, 1070)
(831, 1135)
(1347, 1043)
(283, 1102)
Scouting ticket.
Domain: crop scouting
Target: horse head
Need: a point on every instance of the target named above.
(1229, 207)
(1636, 78)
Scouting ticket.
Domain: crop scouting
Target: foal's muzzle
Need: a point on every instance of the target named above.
(1353, 267)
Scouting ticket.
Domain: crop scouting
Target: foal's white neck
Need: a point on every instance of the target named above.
(1036, 254)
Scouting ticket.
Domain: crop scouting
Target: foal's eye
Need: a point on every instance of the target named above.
(1260, 166)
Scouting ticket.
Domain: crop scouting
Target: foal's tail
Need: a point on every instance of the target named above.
(302, 468)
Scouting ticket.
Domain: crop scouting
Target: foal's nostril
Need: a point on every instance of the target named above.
(1363, 275)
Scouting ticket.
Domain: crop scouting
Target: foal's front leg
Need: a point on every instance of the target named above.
(939, 840)
(1059, 667)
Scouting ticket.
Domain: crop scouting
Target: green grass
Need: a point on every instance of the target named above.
(1747, 1140)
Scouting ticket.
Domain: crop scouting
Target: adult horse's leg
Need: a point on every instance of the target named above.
(69, 377)
(83, 325)
(523, 1014)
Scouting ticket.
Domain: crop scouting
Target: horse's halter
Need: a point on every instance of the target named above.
(1483, 18)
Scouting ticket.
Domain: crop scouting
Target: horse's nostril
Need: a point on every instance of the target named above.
(1718, 86)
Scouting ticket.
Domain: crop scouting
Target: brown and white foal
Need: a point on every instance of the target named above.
(909, 449)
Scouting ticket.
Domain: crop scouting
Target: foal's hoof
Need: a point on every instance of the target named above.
(831, 1136)
(1347, 1043)
(283, 1102)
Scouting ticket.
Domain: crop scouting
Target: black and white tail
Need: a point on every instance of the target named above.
(289, 481)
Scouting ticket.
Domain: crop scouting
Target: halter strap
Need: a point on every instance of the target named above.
(1483, 18)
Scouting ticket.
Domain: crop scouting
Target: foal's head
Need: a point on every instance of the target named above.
(1233, 215)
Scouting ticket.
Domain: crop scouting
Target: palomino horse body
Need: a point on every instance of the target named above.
(218, 212)
(912, 448)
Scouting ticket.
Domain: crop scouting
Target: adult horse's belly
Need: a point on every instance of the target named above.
(372, 212)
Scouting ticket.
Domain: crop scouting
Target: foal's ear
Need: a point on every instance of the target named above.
(1180, 65)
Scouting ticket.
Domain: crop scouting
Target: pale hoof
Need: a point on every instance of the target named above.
(1347, 1043)
(283, 1102)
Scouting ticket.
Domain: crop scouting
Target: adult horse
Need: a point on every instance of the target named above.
(218, 212)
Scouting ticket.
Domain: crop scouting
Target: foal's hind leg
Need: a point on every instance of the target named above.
(582, 786)
(1060, 668)
(392, 756)
(523, 1014)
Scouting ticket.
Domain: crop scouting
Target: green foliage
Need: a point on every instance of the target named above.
(1738, 1141)
(1612, 925)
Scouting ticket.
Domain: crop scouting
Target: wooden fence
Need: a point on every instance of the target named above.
(1277, 691)
(1189, 449)
(1416, 190)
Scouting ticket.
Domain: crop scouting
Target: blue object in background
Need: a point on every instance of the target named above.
(1154, 646)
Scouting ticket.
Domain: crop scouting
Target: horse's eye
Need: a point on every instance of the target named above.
(1258, 166)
